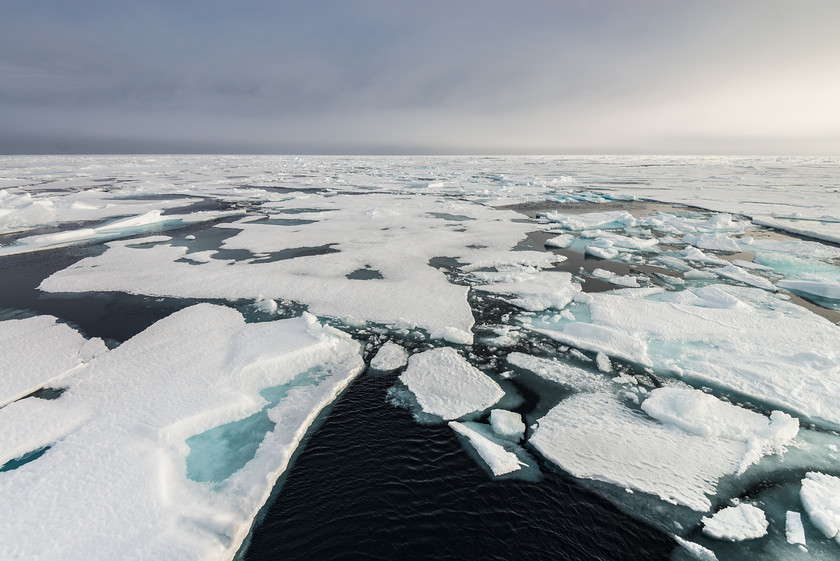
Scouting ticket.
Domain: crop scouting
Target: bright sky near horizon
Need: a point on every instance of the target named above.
(432, 76)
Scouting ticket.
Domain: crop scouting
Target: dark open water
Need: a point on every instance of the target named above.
(371, 483)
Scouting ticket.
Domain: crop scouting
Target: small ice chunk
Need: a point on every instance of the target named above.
(820, 496)
(266, 305)
(189, 237)
(736, 273)
(717, 242)
(559, 372)
(601, 252)
(448, 386)
(507, 424)
(591, 220)
(696, 550)
(389, 357)
(602, 361)
(499, 460)
(691, 253)
(562, 241)
(621, 280)
(794, 531)
(736, 523)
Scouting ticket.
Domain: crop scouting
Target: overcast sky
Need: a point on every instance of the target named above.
(427, 76)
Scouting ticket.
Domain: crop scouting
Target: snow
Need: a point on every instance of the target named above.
(389, 358)
(736, 523)
(696, 550)
(741, 339)
(507, 424)
(37, 351)
(117, 442)
(820, 496)
(594, 436)
(794, 531)
(448, 386)
(499, 460)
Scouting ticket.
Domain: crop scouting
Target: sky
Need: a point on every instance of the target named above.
(420, 77)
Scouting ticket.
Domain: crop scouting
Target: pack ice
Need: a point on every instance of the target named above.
(342, 235)
(114, 481)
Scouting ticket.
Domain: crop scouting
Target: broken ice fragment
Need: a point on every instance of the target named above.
(448, 386)
(389, 357)
(507, 424)
(499, 460)
(736, 523)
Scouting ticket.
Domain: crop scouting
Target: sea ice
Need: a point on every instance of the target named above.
(448, 386)
(601, 252)
(507, 424)
(716, 242)
(532, 291)
(590, 220)
(499, 460)
(742, 339)
(389, 357)
(736, 523)
(36, 351)
(594, 436)
(384, 233)
(827, 290)
(738, 274)
(113, 483)
(820, 496)
(568, 375)
(613, 278)
(794, 531)
(562, 241)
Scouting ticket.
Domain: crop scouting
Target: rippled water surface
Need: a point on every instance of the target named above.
(373, 484)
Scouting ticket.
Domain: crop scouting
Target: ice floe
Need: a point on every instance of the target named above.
(448, 386)
(384, 234)
(741, 339)
(37, 351)
(499, 460)
(794, 531)
(736, 523)
(821, 500)
(595, 436)
(507, 424)
(389, 357)
(113, 482)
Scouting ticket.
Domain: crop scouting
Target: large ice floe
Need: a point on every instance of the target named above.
(114, 480)
(314, 263)
(744, 340)
(667, 357)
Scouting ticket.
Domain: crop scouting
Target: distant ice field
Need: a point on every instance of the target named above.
(658, 332)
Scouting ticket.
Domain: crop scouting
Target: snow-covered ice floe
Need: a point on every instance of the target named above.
(678, 451)
(37, 351)
(741, 339)
(736, 523)
(448, 386)
(821, 500)
(499, 460)
(114, 482)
